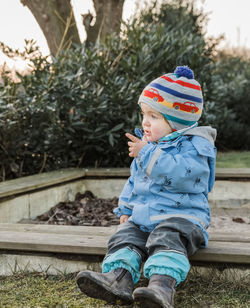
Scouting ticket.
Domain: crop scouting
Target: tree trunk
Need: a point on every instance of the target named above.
(57, 21)
(108, 20)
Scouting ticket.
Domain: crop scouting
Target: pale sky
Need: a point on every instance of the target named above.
(228, 17)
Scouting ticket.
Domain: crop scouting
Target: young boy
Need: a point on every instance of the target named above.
(163, 208)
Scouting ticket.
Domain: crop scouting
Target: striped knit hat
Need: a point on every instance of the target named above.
(177, 96)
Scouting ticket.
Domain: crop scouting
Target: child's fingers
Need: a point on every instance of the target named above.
(132, 138)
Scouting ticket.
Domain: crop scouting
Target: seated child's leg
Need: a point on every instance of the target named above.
(172, 264)
(169, 246)
(121, 267)
(126, 249)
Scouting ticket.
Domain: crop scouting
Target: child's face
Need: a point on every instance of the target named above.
(154, 124)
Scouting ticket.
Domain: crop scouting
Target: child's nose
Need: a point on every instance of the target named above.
(145, 122)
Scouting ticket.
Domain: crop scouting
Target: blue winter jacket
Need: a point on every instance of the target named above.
(171, 179)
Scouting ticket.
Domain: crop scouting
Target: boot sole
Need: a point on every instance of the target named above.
(92, 288)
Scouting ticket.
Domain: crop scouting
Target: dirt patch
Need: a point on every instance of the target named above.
(88, 210)
(85, 210)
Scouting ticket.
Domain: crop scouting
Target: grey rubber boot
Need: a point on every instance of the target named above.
(159, 293)
(115, 287)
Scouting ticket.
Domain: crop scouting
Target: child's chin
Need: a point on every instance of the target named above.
(151, 139)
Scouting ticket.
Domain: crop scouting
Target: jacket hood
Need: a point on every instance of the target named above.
(206, 132)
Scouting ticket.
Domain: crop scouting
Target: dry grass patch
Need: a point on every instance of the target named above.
(203, 288)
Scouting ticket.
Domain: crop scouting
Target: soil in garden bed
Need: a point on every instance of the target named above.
(85, 210)
(89, 210)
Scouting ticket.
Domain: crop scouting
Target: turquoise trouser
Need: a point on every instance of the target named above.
(172, 264)
(165, 250)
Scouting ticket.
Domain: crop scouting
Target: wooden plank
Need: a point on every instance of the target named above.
(37, 181)
(124, 172)
(87, 241)
(107, 172)
(58, 229)
(240, 237)
(57, 243)
(43, 180)
(232, 173)
(225, 252)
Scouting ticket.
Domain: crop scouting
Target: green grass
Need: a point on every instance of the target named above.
(214, 289)
(233, 160)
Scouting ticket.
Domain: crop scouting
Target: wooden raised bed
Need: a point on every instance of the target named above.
(31, 196)
(82, 240)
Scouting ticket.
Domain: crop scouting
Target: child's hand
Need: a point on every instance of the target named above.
(135, 145)
(123, 218)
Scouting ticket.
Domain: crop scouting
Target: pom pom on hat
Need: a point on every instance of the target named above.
(184, 71)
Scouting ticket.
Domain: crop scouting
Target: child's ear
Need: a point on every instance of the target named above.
(168, 123)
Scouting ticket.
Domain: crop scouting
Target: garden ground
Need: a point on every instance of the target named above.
(211, 288)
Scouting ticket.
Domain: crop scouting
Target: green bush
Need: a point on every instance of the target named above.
(73, 111)
(229, 102)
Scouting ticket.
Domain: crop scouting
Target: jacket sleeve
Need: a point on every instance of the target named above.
(184, 171)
